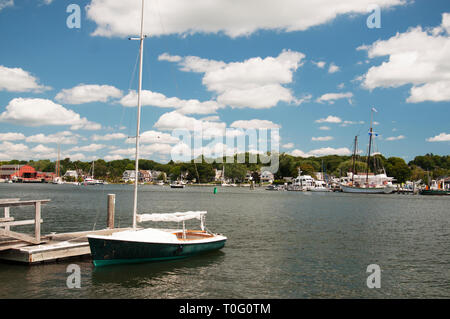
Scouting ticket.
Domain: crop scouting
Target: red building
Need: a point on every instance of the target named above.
(24, 173)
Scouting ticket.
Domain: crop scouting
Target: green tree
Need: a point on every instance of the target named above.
(397, 168)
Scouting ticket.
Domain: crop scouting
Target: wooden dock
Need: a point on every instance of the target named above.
(31, 249)
(55, 247)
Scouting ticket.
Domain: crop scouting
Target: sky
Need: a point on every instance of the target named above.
(310, 72)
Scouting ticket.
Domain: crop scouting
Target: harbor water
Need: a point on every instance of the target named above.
(280, 244)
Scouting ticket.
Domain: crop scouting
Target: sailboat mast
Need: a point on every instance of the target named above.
(141, 50)
(370, 146)
(354, 159)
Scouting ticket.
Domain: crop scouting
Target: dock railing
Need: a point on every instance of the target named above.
(7, 221)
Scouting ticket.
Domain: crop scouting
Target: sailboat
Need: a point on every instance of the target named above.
(58, 179)
(90, 180)
(178, 184)
(320, 185)
(368, 183)
(152, 244)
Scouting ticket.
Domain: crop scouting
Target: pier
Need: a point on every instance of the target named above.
(35, 248)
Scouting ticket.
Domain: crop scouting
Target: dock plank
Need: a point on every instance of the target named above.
(58, 246)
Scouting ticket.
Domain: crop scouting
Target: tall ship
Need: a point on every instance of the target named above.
(376, 182)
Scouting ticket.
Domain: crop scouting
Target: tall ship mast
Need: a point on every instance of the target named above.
(368, 183)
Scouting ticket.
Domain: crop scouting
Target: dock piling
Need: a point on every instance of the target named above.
(111, 210)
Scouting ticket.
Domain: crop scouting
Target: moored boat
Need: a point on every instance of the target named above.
(436, 188)
(153, 244)
(177, 185)
(368, 183)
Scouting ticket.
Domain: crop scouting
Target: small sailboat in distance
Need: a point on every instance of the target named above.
(152, 244)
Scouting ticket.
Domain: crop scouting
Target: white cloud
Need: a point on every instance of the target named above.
(288, 145)
(42, 149)
(87, 93)
(41, 112)
(108, 137)
(64, 137)
(347, 123)
(443, 137)
(19, 80)
(11, 136)
(395, 138)
(9, 151)
(171, 58)
(174, 120)
(418, 57)
(150, 98)
(112, 157)
(254, 124)
(215, 16)
(435, 92)
(254, 83)
(322, 152)
(332, 97)
(149, 137)
(324, 128)
(87, 148)
(322, 138)
(6, 3)
(333, 68)
(319, 64)
(77, 157)
(329, 119)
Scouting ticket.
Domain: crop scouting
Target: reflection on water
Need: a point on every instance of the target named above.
(280, 245)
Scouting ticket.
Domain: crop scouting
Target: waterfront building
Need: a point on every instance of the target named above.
(267, 177)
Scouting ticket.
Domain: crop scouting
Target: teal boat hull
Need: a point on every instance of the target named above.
(434, 192)
(109, 252)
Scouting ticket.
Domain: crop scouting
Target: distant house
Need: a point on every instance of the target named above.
(248, 176)
(157, 174)
(129, 176)
(145, 176)
(218, 175)
(267, 177)
(71, 173)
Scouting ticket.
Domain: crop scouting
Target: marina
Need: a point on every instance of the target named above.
(328, 240)
(254, 150)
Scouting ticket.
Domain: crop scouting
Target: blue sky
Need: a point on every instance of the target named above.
(312, 71)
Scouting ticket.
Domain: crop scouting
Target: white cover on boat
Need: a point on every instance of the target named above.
(172, 217)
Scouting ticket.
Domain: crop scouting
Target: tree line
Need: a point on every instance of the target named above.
(423, 167)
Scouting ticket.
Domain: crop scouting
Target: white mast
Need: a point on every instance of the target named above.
(141, 50)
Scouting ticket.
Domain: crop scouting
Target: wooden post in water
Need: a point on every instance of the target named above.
(37, 222)
(7, 216)
(111, 209)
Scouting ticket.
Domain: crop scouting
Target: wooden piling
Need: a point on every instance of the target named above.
(111, 210)
(37, 222)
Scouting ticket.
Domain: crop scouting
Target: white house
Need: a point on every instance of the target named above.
(129, 176)
(218, 175)
(73, 174)
(267, 176)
